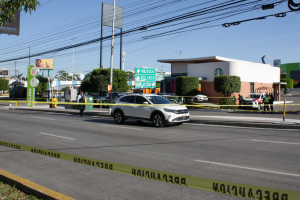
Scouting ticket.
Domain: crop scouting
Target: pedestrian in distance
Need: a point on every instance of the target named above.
(81, 99)
(266, 102)
(271, 102)
(240, 98)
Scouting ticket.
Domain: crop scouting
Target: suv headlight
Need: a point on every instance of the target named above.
(169, 110)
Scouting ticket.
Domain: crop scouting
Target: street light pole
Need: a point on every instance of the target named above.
(112, 55)
(73, 59)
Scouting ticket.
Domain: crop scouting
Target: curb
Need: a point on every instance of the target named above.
(31, 188)
(243, 124)
(238, 124)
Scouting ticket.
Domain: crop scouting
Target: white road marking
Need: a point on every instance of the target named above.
(240, 127)
(236, 166)
(43, 118)
(123, 127)
(275, 142)
(56, 136)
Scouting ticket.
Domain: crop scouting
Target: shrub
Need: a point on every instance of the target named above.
(187, 86)
(228, 101)
(227, 84)
(289, 83)
(286, 91)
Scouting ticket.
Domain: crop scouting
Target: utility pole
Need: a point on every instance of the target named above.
(162, 69)
(112, 55)
(73, 59)
(29, 55)
(123, 58)
(16, 69)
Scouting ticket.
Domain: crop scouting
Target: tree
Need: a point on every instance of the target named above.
(42, 87)
(4, 84)
(8, 9)
(64, 76)
(187, 86)
(227, 84)
(99, 79)
(101, 83)
(289, 83)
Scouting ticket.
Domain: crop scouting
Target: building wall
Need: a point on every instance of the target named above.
(254, 72)
(290, 67)
(207, 88)
(207, 70)
(247, 71)
(179, 68)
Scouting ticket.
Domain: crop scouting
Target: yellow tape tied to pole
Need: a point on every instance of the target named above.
(224, 187)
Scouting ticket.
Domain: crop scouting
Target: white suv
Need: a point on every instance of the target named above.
(148, 107)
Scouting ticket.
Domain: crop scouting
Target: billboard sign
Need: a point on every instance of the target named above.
(44, 64)
(107, 15)
(145, 78)
(4, 73)
(12, 28)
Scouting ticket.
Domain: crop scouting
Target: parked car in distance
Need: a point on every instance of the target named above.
(200, 98)
(173, 99)
(149, 107)
(254, 101)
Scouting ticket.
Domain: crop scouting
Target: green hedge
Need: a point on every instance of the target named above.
(4, 84)
(228, 101)
(187, 86)
(289, 83)
(227, 84)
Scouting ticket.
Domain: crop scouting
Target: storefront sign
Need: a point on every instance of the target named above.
(32, 83)
(218, 72)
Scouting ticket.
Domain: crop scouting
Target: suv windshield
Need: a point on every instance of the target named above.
(254, 96)
(158, 100)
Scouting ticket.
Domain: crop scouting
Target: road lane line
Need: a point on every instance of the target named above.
(43, 118)
(123, 127)
(56, 136)
(278, 129)
(256, 169)
(275, 142)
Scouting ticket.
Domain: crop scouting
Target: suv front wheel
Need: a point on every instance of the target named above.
(119, 117)
(158, 120)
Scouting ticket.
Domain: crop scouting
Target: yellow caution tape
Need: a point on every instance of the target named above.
(224, 187)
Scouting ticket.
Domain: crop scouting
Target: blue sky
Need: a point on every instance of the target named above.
(56, 22)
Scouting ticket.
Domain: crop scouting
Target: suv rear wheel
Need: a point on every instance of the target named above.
(119, 117)
(158, 120)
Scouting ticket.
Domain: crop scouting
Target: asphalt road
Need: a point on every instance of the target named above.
(263, 157)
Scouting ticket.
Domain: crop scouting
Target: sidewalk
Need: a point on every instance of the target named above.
(205, 116)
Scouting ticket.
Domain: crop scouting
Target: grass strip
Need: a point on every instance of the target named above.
(10, 192)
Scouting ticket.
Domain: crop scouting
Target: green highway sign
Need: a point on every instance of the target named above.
(139, 78)
(145, 78)
(151, 84)
(144, 71)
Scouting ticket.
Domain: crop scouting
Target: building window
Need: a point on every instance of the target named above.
(251, 87)
(179, 74)
(295, 75)
(283, 74)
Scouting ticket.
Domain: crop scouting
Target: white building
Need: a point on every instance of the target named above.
(255, 77)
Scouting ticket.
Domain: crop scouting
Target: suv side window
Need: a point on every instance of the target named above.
(122, 99)
(129, 99)
(140, 100)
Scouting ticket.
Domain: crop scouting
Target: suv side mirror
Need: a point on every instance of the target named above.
(145, 102)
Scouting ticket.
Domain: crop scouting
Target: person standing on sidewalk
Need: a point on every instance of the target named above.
(240, 98)
(271, 102)
(266, 102)
(81, 99)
